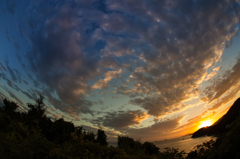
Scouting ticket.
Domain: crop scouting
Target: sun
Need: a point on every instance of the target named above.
(205, 123)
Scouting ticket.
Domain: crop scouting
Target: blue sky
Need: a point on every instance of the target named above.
(146, 69)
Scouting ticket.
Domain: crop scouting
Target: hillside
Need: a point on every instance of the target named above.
(222, 124)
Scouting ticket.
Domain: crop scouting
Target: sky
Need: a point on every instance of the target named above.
(148, 69)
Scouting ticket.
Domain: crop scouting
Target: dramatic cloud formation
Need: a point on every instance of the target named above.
(120, 64)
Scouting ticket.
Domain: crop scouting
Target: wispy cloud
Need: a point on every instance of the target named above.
(224, 86)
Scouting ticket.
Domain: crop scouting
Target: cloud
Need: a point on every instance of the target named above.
(224, 87)
(12, 95)
(103, 83)
(3, 67)
(192, 124)
(56, 116)
(58, 59)
(81, 106)
(2, 95)
(157, 131)
(121, 119)
(29, 94)
(230, 95)
(157, 52)
(213, 73)
(11, 7)
(15, 75)
(176, 58)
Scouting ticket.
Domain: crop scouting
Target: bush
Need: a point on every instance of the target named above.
(150, 148)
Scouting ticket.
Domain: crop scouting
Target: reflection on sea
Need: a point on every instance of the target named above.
(183, 143)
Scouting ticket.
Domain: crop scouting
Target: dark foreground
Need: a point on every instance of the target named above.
(34, 135)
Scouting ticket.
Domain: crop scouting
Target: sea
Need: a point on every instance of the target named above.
(183, 143)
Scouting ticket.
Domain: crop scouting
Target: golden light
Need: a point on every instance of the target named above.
(205, 123)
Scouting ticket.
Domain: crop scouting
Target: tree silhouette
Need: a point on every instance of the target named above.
(37, 110)
(101, 137)
(150, 148)
(129, 145)
(89, 136)
(79, 130)
(36, 117)
(9, 106)
(61, 131)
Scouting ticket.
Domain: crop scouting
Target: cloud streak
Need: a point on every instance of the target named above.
(225, 86)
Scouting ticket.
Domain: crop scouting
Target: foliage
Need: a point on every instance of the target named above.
(34, 135)
(129, 145)
(60, 131)
(37, 110)
(9, 106)
(150, 148)
(101, 137)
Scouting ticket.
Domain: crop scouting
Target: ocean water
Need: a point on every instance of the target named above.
(183, 143)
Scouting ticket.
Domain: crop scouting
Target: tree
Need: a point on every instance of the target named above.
(61, 131)
(9, 106)
(150, 148)
(89, 136)
(36, 116)
(38, 110)
(79, 130)
(101, 137)
(129, 145)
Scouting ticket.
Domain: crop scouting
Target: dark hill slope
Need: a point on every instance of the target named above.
(219, 126)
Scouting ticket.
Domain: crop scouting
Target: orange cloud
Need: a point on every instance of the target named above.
(103, 83)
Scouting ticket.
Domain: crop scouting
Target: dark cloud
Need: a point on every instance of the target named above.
(11, 6)
(185, 39)
(3, 76)
(62, 65)
(15, 77)
(81, 106)
(121, 119)
(29, 94)
(2, 95)
(8, 37)
(159, 106)
(3, 67)
(12, 95)
(155, 52)
(62, 58)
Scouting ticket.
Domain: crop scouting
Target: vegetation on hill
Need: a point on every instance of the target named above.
(34, 135)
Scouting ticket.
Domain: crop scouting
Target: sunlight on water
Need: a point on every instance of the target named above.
(183, 143)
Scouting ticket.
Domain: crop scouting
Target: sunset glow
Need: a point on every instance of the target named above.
(149, 69)
(205, 123)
